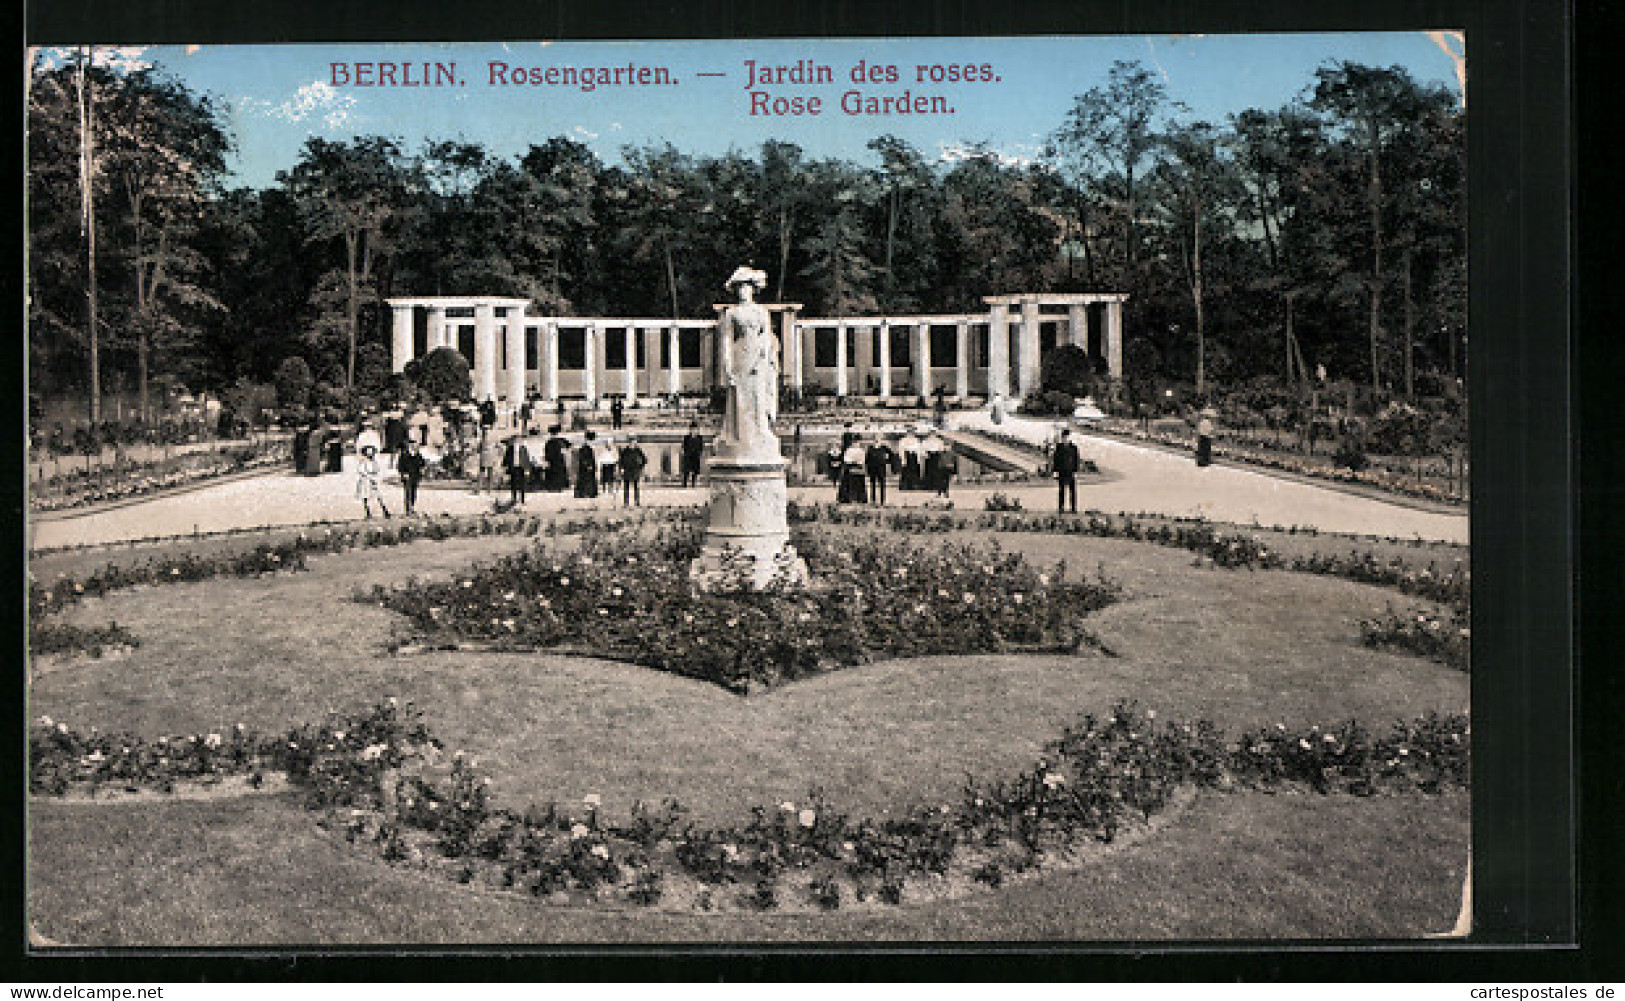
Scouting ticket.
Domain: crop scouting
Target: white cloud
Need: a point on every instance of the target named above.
(1019, 155)
(316, 101)
(118, 58)
(581, 130)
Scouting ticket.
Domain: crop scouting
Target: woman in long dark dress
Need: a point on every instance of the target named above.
(556, 455)
(587, 467)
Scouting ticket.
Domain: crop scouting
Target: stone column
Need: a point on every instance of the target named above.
(1027, 353)
(403, 336)
(840, 359)
(922, 359)
(792, 334)
(651, 358)
(885, 360)
(437, 327)
(589, 374)
(516, 356)
(674, 342)
(1114, 339)
(962, 359)
(998, 351)
(485, 352)
(629, 384)
(1077, 325)
(866, 348)
(550, 362)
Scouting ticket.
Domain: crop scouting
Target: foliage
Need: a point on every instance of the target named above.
(1069, 369)
(294, 383)
(1444, 638)
(875, 599)
(444, 375)
(1047, 403)
(379, 779)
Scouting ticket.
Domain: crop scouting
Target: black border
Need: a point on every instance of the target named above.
(1521, 165)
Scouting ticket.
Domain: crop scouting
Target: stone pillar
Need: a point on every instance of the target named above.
(516, 356)
(402, 352)
(885, 360)
(840, 360)
(792, 334)
(550, 362)
(1114, 339)
(674, 342)
(651, 358)
(437, 327)
(589, 374)
(1077, 325)
(485, 352)
(1027, 354)
(629, 384)
(962, 359)
(922, 359)
(866, 349)
(998, 351)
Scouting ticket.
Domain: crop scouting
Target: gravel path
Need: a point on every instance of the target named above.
(1140, 480)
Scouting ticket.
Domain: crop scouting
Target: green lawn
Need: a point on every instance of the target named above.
(1241, 648)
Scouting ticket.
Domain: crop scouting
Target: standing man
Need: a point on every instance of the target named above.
(1065, 463)
(513, 460)
(632, 462)
(693, 449)
(877, 461)
(617, 410)
(410, 465)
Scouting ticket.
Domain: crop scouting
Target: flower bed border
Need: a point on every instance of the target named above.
(378, 778)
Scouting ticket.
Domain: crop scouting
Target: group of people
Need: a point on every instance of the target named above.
(861, 467)
(593, 467)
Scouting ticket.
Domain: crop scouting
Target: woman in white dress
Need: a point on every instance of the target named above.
(368, 473)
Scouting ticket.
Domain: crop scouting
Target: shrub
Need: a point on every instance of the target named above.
(444, 375)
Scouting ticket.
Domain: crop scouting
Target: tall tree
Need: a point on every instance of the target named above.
(348, 193)
(1109, 136)
(1196, 186)
(164, 168)
(1370, 106)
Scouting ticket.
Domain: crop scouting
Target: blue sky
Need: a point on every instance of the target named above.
(280, 95)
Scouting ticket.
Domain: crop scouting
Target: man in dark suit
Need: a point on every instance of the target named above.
(877, 461)
(693, 450)
(632, 462)
(1065, 463)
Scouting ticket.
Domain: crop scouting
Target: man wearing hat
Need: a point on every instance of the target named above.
(1065, 463)
(632, 462)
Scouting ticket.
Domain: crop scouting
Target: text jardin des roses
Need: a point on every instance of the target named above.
(805, 72)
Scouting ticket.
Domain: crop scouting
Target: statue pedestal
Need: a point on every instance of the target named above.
(747, 538)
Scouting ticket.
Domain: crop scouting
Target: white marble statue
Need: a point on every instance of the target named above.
(750, 371)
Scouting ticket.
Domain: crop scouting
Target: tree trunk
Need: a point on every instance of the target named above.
(1196, 296)
(353, 306)
(87, 179)
(1410, 363)
(1376, 257)
(671, 277)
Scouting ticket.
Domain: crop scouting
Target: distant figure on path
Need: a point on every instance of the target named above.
(1204, 437)
(1064, 464)
(587, 467)
(410, 465)
(366, 483)
(608, 455)
(513, 460)
(617, 411)
(852, 489)
(490, 460)
(632, 462)
(912, 473)
(938, 465)
(556, 454)
(877, 462)
(693, 450)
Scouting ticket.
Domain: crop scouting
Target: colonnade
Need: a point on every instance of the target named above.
(502, 371)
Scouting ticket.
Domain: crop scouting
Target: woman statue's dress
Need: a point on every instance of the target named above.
(752, 379)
